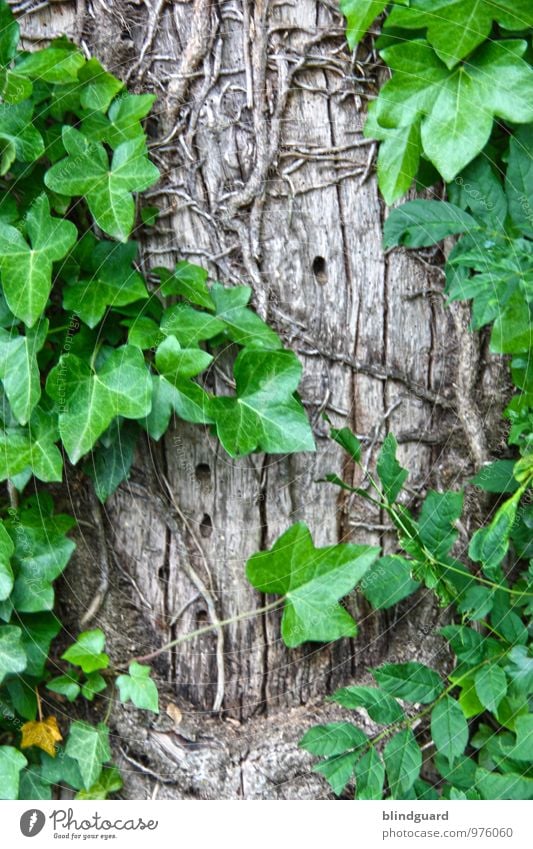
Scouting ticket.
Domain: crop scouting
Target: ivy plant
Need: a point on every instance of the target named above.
(94, 353)
(458, 70)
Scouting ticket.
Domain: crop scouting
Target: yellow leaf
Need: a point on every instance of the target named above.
(44, 734)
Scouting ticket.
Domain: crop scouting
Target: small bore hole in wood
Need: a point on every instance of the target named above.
(203, 473)
(206, 526)
(201, 618)
(319, 270)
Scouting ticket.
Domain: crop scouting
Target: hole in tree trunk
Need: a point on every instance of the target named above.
(206, 526)
(203, 473)
(319, 270)
(201, 618)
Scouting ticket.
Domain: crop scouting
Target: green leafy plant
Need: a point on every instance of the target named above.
(464, 735)
(457, 68)
(92, 354)
(473, 723)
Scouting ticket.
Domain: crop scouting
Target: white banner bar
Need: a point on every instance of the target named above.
(256, 825)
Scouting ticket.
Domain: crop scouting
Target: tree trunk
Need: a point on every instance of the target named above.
(266, 180)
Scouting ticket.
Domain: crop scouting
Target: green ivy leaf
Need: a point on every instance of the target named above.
(359, 15)
(143, 332)
(312, 580)
(411, 681)
(94, 684)
(45, 458)
(19, 370)
(456, 27)
(107, 189)
(19, 140)
(403, 761)
(449, 728)
(26, 269)
(174, 390)
(491, 685)
(391, 474)
(149, 215)
(123, 122)
(55, 64)
(519, 179)
(398, 159)
(187, 280)
(91, 399)
(22, 695)
(65, 685)
(61, 769)
(41, 553)
(88, 651)
(32, 786)
(420, 223)
(89, 747)
(9, 34)
(457, 106)
(11, 764)
(241, 325)
(112, 282)
(190, 325)
(380, 706)
(110, 781)
(110, 463)
(12, 654)
(138, 688)
(98, 86)
(187, 399)
(6, 572)
(38, 631)
(177, 364)
(264, 415)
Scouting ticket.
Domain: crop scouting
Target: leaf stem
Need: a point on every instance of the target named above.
(211, 627)
(39, 705)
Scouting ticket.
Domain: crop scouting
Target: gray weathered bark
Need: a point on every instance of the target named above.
(266, 180)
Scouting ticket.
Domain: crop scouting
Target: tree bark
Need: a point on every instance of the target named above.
(266, 180)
